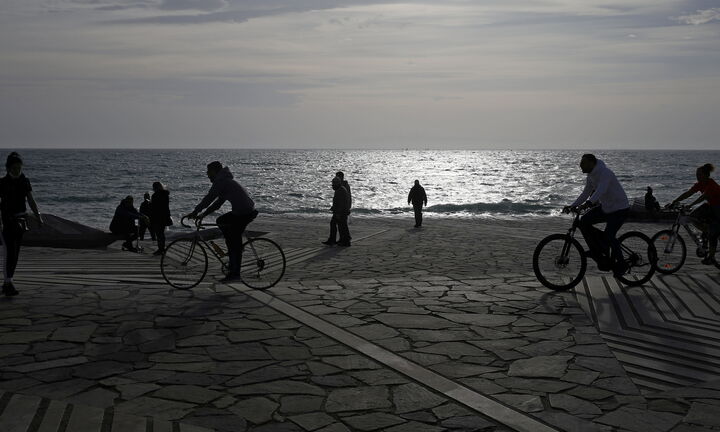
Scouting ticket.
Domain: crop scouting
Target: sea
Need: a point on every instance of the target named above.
(87, 185)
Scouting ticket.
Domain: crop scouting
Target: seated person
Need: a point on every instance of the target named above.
(123, 223)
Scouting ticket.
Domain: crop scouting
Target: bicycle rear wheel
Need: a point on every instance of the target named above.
(559, 262)
(263, 263)
(671, 251)
(184, 263)
(640, 257)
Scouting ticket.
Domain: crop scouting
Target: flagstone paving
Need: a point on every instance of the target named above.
(405, 330)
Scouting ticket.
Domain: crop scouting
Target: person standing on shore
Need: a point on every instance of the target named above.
(340, 210)
(160, 215)
(346, 185)
(418, 198)
(15, 190)
(232, 224)
(602, 187)
(145, 209)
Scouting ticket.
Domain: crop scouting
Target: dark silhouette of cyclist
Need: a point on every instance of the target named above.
(603, 188)
(232, 224)
(707, 214)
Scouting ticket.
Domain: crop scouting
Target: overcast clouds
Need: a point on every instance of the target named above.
(360, 74)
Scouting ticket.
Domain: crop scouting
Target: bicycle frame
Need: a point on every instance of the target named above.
(198, 238)
(571, 235)
(684, 220)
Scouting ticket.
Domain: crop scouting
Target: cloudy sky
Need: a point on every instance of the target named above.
(360, 74)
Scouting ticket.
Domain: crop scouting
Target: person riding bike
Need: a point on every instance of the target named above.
(602, 187)
(232, 224)
(708, 214)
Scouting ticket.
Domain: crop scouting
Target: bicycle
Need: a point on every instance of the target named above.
(184, 262)
(560, 262)
(671, 247)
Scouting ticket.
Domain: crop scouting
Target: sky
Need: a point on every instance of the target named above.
(451, 74)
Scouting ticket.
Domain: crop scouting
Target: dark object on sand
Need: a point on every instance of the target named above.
(62, 233)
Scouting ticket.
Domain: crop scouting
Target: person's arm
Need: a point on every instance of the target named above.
(410, 195)
(424, 196)
(687, 194)
(212, 194)
(584, 194)
(34, 208)
(214, 206)
(699, 200)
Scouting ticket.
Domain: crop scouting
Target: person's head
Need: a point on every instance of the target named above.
(157, 186)
(147, 196)
(588, 162)
(703, 172)
(340, 175)
(336, 182)
(14, 165)
(213, 168)
(127, 201)
(417, 182)
(649, 190)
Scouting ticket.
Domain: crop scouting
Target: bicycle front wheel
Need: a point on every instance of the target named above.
(263, 263)
(671, 251)
(640, 257)
(559, 262)
(184, 263)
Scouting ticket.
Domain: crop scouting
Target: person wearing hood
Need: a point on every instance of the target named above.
(232, 224)
(160, 215)
(418, 198)
(15, 190)
(609, 203)
(123, 223)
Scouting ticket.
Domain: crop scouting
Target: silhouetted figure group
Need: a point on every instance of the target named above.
(342, 203)
(154, 216)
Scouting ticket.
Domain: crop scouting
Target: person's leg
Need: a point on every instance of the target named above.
(142, 229)
(592, 234)
(713, 234)
(418, 215)
(333, 231)
(344, 230)
(615, 220)
(160, 235)
(12, 238)
(227, 226)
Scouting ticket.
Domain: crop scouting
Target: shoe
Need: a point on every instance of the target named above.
(329, 242)
(158, 252)
(9, 289)
(229, 278)
(620, 269)
(129, 248)
(344, 244)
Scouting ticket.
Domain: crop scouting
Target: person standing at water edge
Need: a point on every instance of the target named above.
(15, 189)
(232, 224)
(709, 213)
(346, 185)
(602, 187)
(418, 198)
(340, 210)
(145, 209)
(160, 215)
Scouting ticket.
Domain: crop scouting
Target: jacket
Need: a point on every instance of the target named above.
(603, 187)
(224, 188)
(160, 209)
(341, 201)
(417, 196)
(123, 220)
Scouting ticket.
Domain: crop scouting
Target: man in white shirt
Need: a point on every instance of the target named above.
(603, 188)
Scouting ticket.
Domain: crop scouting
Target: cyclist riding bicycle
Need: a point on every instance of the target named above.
(708, 214)
(602, 187)
(232, 224)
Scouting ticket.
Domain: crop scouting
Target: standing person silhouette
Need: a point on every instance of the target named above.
(340, 210)
(707, 214)
(142, 226)
(232, 224)
(15, 190)
(160, 215)
(418, 198)
(602, 187)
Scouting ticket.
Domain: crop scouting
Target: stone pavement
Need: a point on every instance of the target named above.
(443, 328)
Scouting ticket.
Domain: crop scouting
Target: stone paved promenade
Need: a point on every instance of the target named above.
(439, 329)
